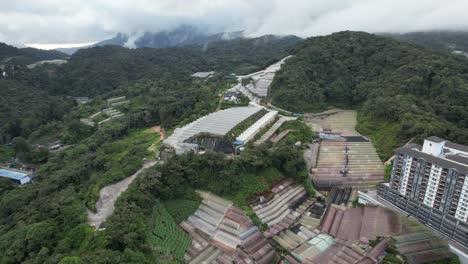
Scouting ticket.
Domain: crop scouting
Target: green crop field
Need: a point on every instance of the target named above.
(181, 209)
(167, 236)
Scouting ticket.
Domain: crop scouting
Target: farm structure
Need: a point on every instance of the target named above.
(287, 203)
(213, 131)
(303, 230)
(260, 81)
(329, 240)
(222, 233)
(344, 163)
(253, 130)
(18, 176)
(106, 114)
(112, 102)
(269, 133)
(339, 196)
(346, 159)
(422, 247)
(207, 74)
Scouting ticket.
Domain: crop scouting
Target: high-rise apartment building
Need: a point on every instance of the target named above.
(435, 174)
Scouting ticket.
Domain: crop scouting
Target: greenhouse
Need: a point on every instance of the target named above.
(216, 124)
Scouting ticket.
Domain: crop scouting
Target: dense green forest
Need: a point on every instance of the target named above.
(24, 108)
(10, 55)
(33, 97)
(400, 90)
(45, 222)
(94, 71)
(447, 41)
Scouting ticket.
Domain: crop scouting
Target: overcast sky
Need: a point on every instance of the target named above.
(84, 21)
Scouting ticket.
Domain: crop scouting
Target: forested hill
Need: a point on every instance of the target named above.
(439, 40)
(401, 90)
(94, 71)
(13, 55)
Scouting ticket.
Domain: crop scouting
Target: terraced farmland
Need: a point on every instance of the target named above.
(350, 160)
(166, 235)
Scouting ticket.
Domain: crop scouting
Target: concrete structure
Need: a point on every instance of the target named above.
(434, 174)
(21, 177)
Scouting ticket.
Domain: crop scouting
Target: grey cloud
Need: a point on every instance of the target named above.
(58, 21)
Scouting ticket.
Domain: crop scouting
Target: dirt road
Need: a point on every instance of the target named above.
(108, 196)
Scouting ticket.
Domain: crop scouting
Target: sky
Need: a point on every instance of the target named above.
(75, 22)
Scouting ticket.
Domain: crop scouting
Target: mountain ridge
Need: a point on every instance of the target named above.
(181, 36)
(13, 55)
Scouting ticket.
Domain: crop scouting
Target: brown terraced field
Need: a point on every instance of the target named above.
(364, 166)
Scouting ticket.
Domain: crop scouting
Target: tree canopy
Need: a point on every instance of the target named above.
(400, 90)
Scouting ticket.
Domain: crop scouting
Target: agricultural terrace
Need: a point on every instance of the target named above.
(345, 157)
(167, 237)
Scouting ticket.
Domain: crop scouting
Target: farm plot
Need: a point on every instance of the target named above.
(288, 203)
(223, 233)
(338, 121)
(166, 235)
(349, 160)
(343, 163)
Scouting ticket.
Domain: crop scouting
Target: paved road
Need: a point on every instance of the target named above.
(108, 196)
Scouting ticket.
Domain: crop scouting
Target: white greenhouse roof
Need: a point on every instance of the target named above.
(253, 129)
(217, 123)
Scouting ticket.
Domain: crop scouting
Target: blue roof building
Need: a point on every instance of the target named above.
(19, 177)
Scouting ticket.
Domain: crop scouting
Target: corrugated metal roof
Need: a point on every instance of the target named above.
(12, 174)
(322, 242)
(253, 129)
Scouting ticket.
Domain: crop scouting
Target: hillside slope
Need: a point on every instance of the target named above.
(440, 40)
(12, 55)
(400, 90)
(94, 71)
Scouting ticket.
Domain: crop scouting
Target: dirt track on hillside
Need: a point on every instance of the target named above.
(108, 196)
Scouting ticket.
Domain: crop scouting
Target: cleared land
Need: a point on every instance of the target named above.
(339, 121)
(108, 196)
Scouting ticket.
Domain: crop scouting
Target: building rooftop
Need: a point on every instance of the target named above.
(447, 158)
(216, 124)
(14, 175)
(254, 128)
